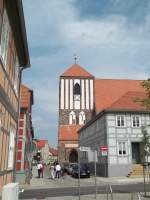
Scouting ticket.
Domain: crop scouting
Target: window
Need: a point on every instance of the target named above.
(136, 122)
(82, 118)
(120, 121)
(72, 118)
(76, 90)
(122, 148)
(4, 38)
(11, 149)
(16, 75)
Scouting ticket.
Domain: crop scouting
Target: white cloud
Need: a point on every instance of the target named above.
(108, 47)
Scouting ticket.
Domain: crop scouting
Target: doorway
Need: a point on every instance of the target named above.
(73, 156)
(136, 159)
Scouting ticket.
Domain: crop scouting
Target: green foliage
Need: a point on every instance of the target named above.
(146, 101)
(146, 141)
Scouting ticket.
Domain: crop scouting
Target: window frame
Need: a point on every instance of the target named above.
(77, 89)
(11, 149)
(82, 118)
(72, 117)
(4, 40)
(122, 149)
(136, 121)
(16, 75)
(124, 120)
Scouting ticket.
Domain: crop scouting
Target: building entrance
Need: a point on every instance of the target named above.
(73, 157)
(136, 159)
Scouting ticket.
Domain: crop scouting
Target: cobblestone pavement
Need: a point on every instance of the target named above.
(66, 181)
(99, 197)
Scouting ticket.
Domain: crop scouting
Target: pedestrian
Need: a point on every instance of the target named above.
(52, 171)
(58, 170)
(42, 168)
(39, 169)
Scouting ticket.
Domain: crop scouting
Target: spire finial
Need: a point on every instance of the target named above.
(75, 59)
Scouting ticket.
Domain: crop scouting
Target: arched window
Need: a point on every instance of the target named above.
(76, 89)
(82, 119)
(72, 118)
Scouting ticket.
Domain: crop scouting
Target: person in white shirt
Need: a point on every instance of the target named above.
(39, 166)
(58, 170)
(52, 171)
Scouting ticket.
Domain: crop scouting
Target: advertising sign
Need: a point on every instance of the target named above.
(84, 148)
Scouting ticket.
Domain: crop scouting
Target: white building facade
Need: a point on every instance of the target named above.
(119, 130)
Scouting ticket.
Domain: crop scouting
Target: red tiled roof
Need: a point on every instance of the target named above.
(129, 102)
(26, 97)
(41, 143)
(108, 91)
(68, 132)
(77, 71)
(53, 151)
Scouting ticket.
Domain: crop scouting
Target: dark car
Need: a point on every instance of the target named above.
(64, 167)
(84, 170)
(70, 167)
(67, 167)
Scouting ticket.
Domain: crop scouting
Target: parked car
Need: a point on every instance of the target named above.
(64, 167)
(70, 167)
(84, 170)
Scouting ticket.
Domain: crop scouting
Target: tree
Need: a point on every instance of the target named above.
(146, 103)
(146, 142)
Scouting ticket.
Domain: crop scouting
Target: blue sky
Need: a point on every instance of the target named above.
(110, 37)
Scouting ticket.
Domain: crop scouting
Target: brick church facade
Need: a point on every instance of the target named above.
(81, 97)
(76, 104)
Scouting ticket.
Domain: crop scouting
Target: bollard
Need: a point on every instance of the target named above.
(131, 196)
(10, 191)
(139, 196)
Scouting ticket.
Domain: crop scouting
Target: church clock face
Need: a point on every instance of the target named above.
(76, 97)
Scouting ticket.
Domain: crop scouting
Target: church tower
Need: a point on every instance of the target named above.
(76, 105)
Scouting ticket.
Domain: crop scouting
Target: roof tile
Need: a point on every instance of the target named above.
(41, 143)
(53, 151)
(129, 102)
(68, 132)
(107, 91)
(26, 97)
(76, 71)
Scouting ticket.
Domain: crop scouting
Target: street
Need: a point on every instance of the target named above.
(68, 186)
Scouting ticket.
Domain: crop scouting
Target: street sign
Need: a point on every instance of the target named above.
(104, 153)
(104, 150)
(84, 148)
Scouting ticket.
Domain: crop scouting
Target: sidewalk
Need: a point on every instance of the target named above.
(68, 181)
(92, 197)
